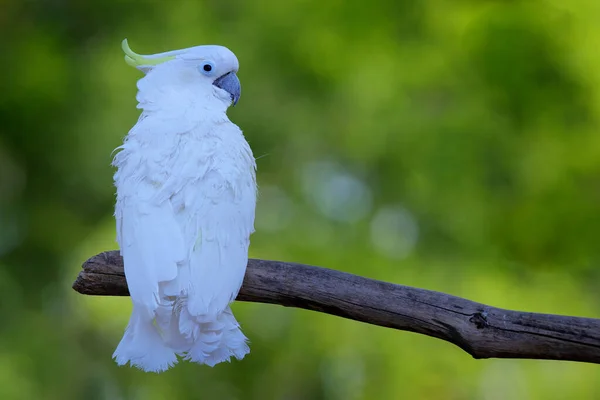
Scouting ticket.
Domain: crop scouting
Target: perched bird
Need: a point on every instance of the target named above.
(186, 197)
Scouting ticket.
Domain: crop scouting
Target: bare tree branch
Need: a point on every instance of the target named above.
(480, 330)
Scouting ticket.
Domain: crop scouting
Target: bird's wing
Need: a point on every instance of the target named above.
(220, 254)
(151, 242)
(218, 218)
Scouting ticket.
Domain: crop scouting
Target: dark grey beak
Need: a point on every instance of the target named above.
(231, 84)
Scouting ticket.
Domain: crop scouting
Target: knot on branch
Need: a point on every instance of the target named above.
(479, 319)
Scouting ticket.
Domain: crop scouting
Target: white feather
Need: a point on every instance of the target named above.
(186, 195)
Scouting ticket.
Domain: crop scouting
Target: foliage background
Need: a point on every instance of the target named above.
(450, 145)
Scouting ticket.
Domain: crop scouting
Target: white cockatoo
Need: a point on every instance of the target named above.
(186, 197)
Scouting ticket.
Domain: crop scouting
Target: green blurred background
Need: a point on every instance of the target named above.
(448, 145)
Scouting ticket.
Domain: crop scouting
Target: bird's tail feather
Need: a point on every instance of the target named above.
(143, 346)
(213, 342)
(152, 345)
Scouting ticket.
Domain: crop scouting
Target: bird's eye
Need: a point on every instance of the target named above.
(207, 68)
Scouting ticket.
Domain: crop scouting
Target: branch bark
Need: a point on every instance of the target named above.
(480, 330)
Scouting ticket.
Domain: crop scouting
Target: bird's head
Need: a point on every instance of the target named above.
(208, 69)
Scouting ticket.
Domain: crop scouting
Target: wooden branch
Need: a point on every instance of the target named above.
(480, 330)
